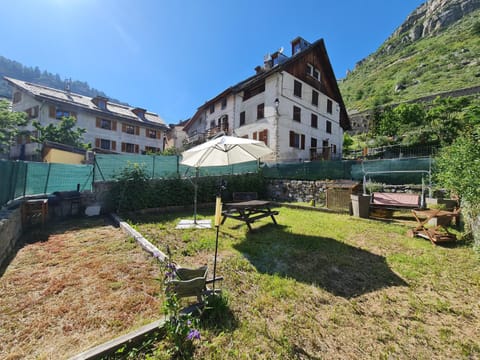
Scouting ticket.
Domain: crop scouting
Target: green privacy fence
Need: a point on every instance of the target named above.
(109, 166)
(12, 180)
(28, 178)
(391, 171)
(395, 171)
(331, 170)
(21, 178)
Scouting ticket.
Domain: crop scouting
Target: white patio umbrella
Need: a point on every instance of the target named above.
(221, 151)
(225, 150)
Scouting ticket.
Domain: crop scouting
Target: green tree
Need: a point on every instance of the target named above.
(10, 122)
(64, 133)
(172, 151)
(385, 122)
(446, 118)
(347, 142)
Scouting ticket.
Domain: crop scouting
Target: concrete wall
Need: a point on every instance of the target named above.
(10, 232)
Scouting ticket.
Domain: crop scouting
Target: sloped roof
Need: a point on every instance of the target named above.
(85, 102)
(330, 79)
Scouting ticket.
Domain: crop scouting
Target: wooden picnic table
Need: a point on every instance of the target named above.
(248, 211)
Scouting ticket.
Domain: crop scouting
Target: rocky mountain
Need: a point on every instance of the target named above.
(433, 16)
(435, 50)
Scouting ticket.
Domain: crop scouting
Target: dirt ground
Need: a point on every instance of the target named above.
(72, 286)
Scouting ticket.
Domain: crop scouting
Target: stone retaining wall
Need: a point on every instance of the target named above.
(297, 190)
(10, 232)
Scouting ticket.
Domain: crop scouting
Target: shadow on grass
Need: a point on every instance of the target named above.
(339, 268)
(217, 316)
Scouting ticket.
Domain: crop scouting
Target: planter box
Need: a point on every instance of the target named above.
(360, 205)
(450, 204)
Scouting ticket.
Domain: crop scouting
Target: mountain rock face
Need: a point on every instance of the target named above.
(433, 16)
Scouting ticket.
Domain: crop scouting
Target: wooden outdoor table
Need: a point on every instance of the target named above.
(435, 234)
(248, 211)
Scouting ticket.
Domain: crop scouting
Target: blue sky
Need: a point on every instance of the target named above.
(171, 56)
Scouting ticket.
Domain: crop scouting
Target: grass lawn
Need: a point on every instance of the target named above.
(73, 286)
(331, 286)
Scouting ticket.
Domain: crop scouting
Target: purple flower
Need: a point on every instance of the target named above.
(193, 334)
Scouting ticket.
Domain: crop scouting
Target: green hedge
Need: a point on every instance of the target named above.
(136, 191)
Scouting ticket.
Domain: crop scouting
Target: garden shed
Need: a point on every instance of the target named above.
(338, 194)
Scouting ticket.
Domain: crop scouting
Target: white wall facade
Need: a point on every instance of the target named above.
(88, 120)
(280, 123)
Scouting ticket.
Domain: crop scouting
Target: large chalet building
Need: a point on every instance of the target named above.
(293, 104)
(110, 127)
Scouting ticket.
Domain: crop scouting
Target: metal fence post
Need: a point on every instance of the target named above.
(48, 178)
(25, 180)
(153, 167)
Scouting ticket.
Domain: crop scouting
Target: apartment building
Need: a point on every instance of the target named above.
(110, 127)
(292, 103)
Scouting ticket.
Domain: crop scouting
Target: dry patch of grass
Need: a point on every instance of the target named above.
(330, 286)
(76, 285)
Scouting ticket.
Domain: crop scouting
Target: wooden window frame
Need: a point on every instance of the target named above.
(297, 88)
(328, 127)
(104, 122)
(296, 140)
(263, 136)
(113, 124)
(297, 114)
(260, 111)
(131, 129)
(130, 148)
(152, 134)
(329, 106)
(315, 95)
(242, 118)
(314, 121)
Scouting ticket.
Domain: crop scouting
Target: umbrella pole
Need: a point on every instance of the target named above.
(195, 187)
(215, 260)
(218, 215)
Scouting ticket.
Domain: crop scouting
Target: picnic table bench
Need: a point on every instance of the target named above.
(248, 210)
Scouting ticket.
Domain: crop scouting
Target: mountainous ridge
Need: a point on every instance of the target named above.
(434, 50)
(16, 70)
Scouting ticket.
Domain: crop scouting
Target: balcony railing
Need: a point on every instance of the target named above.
(323, 153)
(198, 138)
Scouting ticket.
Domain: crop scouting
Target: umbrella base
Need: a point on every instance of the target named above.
(191, 224)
